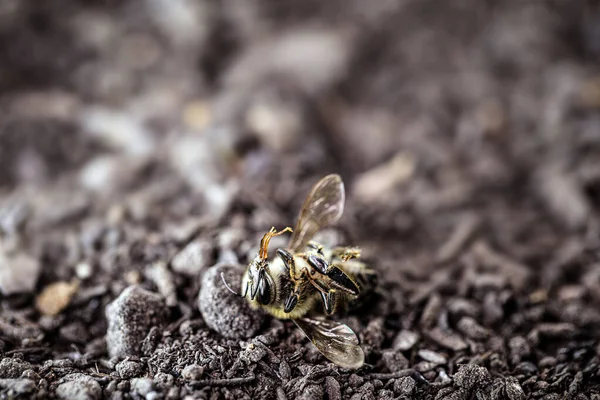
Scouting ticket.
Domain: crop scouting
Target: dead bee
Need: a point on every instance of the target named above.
(308, 279)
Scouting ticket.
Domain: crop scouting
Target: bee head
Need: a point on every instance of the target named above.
(259, 282)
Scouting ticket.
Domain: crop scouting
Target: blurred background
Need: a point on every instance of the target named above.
(467, 132)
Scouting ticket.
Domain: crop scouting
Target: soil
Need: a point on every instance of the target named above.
(142, 142)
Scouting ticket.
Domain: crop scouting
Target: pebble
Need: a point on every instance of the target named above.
(141, 386)
(513, 389)
(405, 386)
(471, 376)
(472, 329)
(192, 372)
(17, 387)
(18, 272)
(311, 392)
(13, 367)
(355, 380)
(225, 313)
(163, 380)
(432, 356)
(405, 340)
(193, 258)
(128, 369)
(79, 387)
(130, 317)
(394, 360)
(447, 339)
(332, 388)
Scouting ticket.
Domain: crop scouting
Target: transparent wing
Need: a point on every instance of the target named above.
(336, 341)
(323, 206)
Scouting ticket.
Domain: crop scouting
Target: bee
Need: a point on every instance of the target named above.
(307, 281)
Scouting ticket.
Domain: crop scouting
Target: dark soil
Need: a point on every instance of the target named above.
(142, 142)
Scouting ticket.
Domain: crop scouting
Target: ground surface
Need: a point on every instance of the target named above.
(141, 142)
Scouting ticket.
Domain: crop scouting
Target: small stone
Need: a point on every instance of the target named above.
(13, 367)
(557, 330)
(18, 272)
(130, 317)
(129, 369)
(513, 389)
(470, 376)
(447, 339)
(432, 356)
(83, 270)
(526, 368)
(405, 386)
(355, 380)
(193, 258)
(163, 380)
(470, 328)
(332, 388)
(141, 386)
(192, 372)
(17, 386)
(394, 360)
(311, 392)
(79, 387)
(519, 348)
(405, 340)
(227, 314)
(424, 366)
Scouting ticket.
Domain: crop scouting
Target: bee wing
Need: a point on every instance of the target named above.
(323, 206)
(334, 340)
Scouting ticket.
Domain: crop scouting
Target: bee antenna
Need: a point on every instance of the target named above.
(263, 252)
(222, 274)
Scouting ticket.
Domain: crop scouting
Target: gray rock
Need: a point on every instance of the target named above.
(18, 272)
(227, 314)
(141, 386)
(472, 376)
(192, 372)
(79, 387)
(193, 258)
(13, 367)
(17, 386)
(394, 360)
(405, 386)
(129, 369)
(163, 380)
(432, 356)
(405, 340)
(130, 317)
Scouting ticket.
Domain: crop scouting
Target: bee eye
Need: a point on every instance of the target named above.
(265, 289)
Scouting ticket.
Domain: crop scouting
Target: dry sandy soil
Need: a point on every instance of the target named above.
(142, 142)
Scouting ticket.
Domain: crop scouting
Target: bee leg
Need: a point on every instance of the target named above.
(327, 295)
(288, 261)
(318, 263)
(290, 303)
(346, 253)
(340, 280)
(316, 246)
(337, 276)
